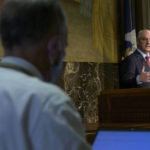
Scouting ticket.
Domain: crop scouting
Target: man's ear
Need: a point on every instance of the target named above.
(53, 50)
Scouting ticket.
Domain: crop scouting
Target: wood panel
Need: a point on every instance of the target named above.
(127, 106)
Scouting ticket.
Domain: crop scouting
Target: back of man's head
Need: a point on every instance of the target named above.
(29, 21)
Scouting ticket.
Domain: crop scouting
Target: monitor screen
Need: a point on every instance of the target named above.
(122, 140)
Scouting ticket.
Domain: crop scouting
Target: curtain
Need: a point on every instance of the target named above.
(86, 7)
(104, 29)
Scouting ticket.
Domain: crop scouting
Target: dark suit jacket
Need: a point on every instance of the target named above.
(130, 68)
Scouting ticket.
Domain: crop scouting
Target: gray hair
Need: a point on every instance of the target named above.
(140, 33)
(29, 21)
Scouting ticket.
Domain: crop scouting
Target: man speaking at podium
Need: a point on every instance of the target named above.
(135, 69)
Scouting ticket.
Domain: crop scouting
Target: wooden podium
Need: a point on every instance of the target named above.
(124, 107)
(119, 108)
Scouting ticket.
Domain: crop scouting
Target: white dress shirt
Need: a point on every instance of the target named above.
(47, 117)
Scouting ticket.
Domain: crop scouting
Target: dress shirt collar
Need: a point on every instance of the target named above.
(23, 64)
(143, 54)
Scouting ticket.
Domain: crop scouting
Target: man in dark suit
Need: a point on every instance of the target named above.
(134, 70)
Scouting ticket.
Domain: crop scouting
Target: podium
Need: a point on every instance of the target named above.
(124, 107)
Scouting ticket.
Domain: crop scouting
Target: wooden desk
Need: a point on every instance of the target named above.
(126, 106)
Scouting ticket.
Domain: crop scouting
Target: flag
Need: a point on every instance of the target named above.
(105, 30)
(129, 28)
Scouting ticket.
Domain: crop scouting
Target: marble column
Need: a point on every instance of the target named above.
(84, 81)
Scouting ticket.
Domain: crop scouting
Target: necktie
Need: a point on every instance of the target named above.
(147, 60)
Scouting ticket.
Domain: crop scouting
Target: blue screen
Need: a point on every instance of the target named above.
(122, 140)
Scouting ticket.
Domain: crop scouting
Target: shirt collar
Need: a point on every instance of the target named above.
(143, 54)
(23, 64)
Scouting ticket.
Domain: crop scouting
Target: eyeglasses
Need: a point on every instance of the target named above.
(145, 39)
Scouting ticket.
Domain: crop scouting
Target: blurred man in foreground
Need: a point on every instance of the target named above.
(34, 36)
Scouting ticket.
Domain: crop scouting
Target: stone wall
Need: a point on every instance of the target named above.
(83, 83)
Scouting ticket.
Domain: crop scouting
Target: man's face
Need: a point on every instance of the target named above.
(57, 56)
(62, 44)
(143, 42)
